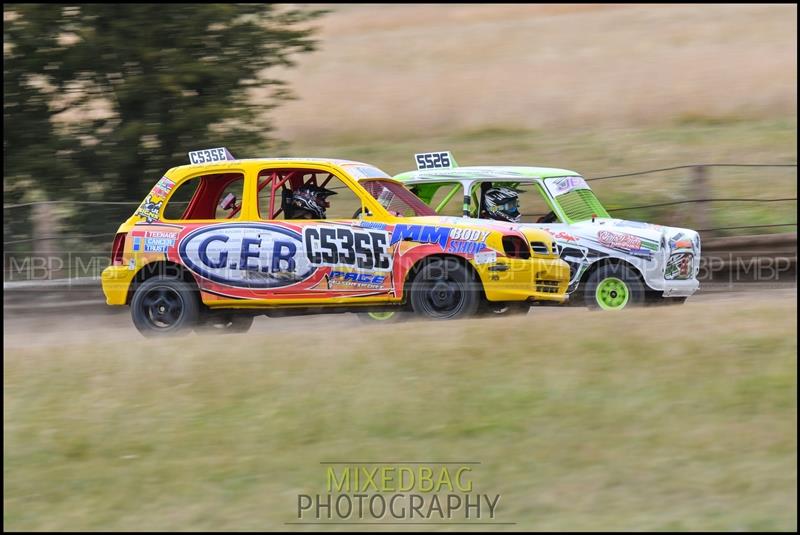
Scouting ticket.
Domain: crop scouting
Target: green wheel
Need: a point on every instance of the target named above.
(612, 294)
(613, 287)
(387, 316)
(381, 316)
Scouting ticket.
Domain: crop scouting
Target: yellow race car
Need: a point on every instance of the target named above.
(221, 240)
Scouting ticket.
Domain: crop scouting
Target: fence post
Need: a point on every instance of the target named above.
(47, 248)
(700, 190)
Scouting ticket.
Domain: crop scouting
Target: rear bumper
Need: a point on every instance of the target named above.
(116, 280)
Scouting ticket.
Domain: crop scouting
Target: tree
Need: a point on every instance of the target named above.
(172, 77)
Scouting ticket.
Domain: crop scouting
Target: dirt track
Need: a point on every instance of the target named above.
(54, 330)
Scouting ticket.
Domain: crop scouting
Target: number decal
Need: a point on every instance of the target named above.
(346, 253)
(220, 154)
(434, 160)
(327, 237)
(344, 246)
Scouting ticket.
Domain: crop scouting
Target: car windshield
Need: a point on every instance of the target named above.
(397, 200)
(575, 198)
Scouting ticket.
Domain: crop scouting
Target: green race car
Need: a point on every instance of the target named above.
(614, 263)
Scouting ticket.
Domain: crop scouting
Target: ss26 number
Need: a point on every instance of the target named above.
(433, 160)
(330, 246)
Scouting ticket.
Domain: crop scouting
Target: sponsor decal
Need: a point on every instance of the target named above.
(457, 240)
(246, 255)
(151, 205)
(486, 257)
(347, 246)
(679, 266)
(467, 241)
(131, 264)
(373, 224)
(154, 241)
(621, 241)
(353, 279)
(163, 187)
(421, 234)
(627, 242)
(562, 185)
(561, 235)
(680, 242)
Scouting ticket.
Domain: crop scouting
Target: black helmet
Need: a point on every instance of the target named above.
(306, 201)
(502, 204)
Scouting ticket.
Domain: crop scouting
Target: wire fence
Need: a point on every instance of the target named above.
(699, 170)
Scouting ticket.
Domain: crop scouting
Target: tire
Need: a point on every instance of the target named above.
(163, 306)
(613, 287)
(226, 324)
(444, 289)
(389, 316)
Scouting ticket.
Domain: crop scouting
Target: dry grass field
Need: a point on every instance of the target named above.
(400, 70)
(679, 418)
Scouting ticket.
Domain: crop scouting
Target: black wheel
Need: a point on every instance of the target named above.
(613, 287)
(162, 306)
(444, 289)
(225, 324)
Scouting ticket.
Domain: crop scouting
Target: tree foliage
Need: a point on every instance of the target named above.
(170, 77)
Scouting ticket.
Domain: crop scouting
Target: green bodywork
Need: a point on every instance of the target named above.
(577, 205)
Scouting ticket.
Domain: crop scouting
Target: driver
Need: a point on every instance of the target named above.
(308, 202)
(501, 203)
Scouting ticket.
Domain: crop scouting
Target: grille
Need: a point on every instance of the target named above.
(547, 287)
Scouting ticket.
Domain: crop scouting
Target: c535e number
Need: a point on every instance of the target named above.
(342, 246)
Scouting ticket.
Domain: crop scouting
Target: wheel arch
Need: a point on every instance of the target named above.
(160, 267)
(611, 261)
(414, 270)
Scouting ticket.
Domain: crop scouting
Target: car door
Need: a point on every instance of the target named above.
(335, 258)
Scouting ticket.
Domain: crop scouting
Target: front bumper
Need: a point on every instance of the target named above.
(116, 281)
(680, 288)
(536, 279)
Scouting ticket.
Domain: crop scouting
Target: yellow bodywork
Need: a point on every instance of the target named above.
(540, 277)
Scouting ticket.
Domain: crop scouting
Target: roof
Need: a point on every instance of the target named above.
(271, 161)
(483, 173)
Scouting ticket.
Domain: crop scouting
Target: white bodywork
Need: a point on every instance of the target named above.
(668, 258)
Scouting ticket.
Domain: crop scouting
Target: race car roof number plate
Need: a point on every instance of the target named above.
(219, 154)
(435, 160)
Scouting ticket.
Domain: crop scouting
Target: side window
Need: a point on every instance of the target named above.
(319, 195)
(454, 195)
(345, 204)
(532, 204)
(216, 196)
(180, 198)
